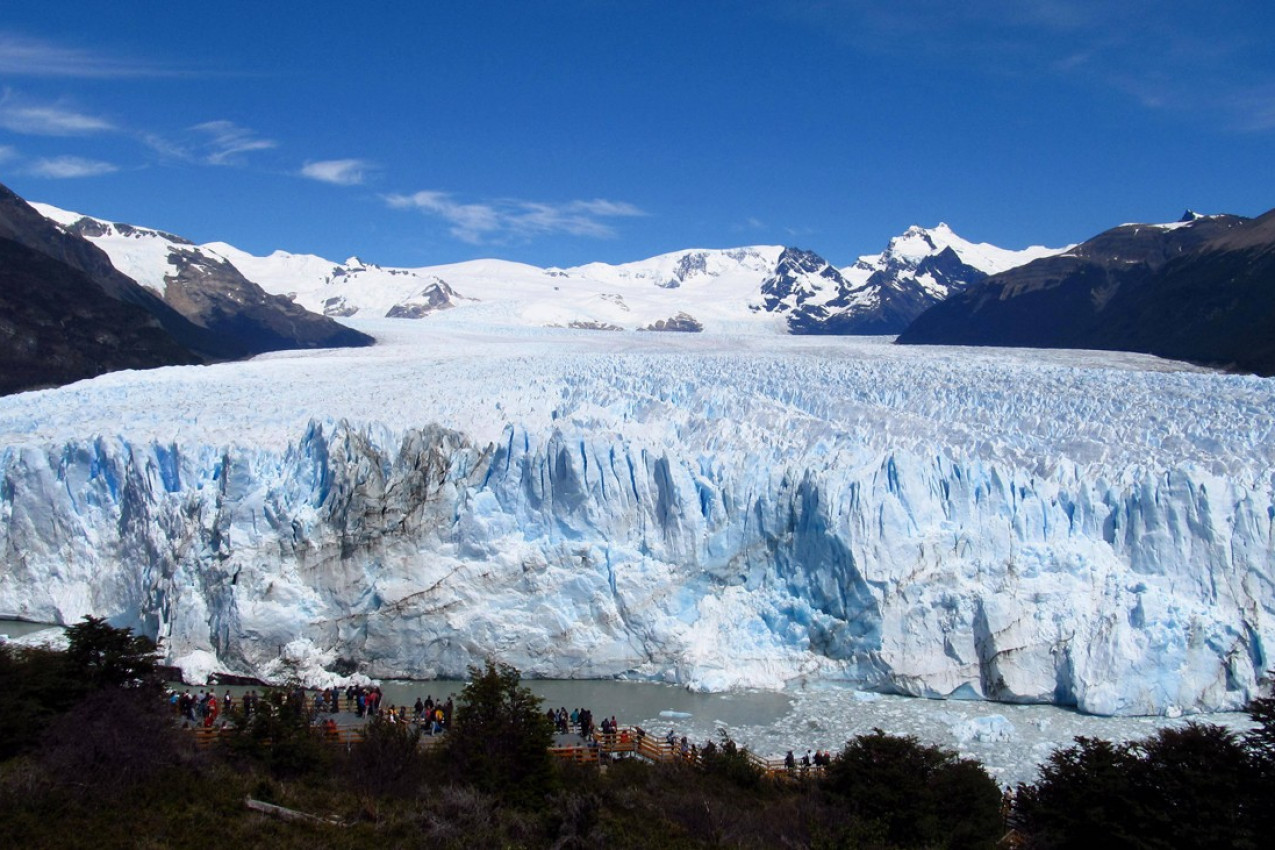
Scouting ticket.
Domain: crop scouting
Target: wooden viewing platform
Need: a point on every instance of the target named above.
(627, 742)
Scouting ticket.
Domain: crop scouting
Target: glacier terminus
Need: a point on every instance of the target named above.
(715, 510)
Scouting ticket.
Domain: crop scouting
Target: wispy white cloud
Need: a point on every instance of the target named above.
(8, 153)
(489, 221)
(29, 57)
(227, 142)
(342, 172)
(45, 119)
(66, 167)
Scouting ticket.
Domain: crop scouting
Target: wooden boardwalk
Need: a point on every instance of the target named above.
(628, 742)
(633, 743)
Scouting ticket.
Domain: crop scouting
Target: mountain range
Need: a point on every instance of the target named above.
(1199, 289)
(71, 313)
(771, 288)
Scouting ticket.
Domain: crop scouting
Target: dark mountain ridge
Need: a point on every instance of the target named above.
(1201, 290)
(68, 313)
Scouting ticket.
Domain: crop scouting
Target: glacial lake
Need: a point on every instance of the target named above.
(1010, 740)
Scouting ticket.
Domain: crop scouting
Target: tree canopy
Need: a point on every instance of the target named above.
(500, 736)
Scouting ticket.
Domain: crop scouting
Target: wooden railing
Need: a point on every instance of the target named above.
(207, 736)
(628, 743)
(625, 743)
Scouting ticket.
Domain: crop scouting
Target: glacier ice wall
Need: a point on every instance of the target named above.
(712, 520)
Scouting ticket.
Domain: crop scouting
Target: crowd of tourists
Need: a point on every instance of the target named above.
(434, 717)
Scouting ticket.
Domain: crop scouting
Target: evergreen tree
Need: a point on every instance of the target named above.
(500, 737)
(918, 795)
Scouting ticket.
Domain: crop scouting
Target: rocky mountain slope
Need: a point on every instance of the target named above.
(883, 293)
(206, 289)
(57, 325)
(1201, 289)
(22, 224)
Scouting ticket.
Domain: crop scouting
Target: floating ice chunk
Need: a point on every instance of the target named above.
(51, 638)
(993, 729)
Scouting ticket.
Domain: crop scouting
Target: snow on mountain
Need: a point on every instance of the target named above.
(770, 289)
(883, 293)
(713, 286)
(205, 288)
(713, 510)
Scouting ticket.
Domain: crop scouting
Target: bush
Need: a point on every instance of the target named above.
(1184, 787)
(388, 762)
(730, 761)
(278, 735)
(919, 795)
(115, 738)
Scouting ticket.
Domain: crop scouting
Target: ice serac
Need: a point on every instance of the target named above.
(945, 526)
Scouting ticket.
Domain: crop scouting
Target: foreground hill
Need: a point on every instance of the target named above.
(1201, 289)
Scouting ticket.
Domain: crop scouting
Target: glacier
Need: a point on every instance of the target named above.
(721, 511)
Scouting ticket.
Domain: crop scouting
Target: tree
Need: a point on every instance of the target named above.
(103, 655)
(920, 795)
(499, 741)
(1191, 786)
(1083, 797)
(39, 685)
(1194, 786)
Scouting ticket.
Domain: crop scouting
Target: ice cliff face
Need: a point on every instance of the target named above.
(931, 522)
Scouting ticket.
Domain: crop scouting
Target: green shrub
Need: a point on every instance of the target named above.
(920, 795)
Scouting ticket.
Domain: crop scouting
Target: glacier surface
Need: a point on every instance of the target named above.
(1079, 528)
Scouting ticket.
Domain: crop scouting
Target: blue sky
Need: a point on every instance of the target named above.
(559, 132)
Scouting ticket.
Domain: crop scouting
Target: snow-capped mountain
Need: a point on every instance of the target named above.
(760, 288)
(707, 289)
(1199, 289)
(205, 288)
(885, 292)
(728, 289)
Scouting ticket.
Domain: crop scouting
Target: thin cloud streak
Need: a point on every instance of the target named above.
(28, 57)
(48, 119)
(339, 172)
(477, 223)
(228, 142)
(69, 167)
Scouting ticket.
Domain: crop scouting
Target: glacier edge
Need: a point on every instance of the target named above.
(696, 555)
